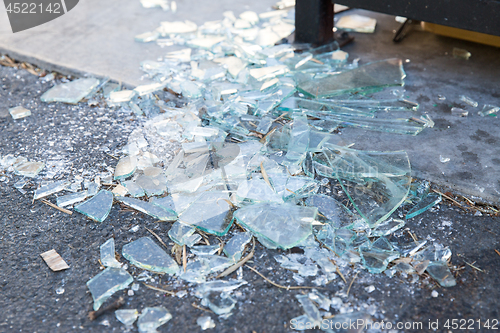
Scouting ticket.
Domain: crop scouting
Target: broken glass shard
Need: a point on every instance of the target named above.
(29, 169)
(376, 183)
(425, 204)
(218, 286)
(469, 101)
(441, 273)
(461, 53)
(357, 23)
(145, 253)
(177, 27)
(216, 263)
(51, 189)
(210, 212)
(127, 316)
(283, 225)
(388, 227)
(336, 213)
(160, 213)
(126, 167)
(302, 323)
(264, 73)
(180, 233)
(177, 202)
(70, 199)
(375, 258)
(219, 304)
(204, 249)
(19, 112)
(376, 74)
(152, 318)
(205, 322)
(236, 245)
(489, 110)
(71, 92)
(459, 112)
(121, 96)
(98, 207)
(108, 254)
(106, 283)
(148, 88)
(310, 309)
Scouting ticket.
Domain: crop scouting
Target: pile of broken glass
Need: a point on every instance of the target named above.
(259, 146)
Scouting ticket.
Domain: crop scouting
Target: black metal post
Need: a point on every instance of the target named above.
(314, 21)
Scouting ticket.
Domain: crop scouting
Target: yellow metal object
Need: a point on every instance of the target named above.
(462, 34)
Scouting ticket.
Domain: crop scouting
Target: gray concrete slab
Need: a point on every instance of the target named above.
(97, 38)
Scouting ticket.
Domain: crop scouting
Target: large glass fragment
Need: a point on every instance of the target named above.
(375, 257)
(126, 167)
(218, 286)
(376, 183)
(127, 316)
(98, 207)
(51, 188)
(29, 169)
(210, 212)
(70, 199)
(158, 212)
(441, 273)
(155, 184)
(205, 249)
(236, 245)
(133, 189)
(145, 253)
(283, 225)
(19, 112)
(121, 96)
(108, 258)
(388, 227)
(71, 92)
(106, 283)
(257, 190)
(177, 202)
(152, 318)
(376, 74)
(425, 204)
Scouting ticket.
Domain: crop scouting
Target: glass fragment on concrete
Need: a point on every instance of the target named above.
(121, 96)
(71, 92)
(376, 74)
(236, 245)
(220, 304)
(133, 189)
(180, 233)
(160, 213)
(357, 23)
(108, 258)
(205, 322)
(377, 183)
(461, 53)
(282, 225)
(127, 316)
(459, 112)
(441, 273)
(51, 188)
(333, 211)
(425, 204)
(489, 110)
(469, 101)
(70, 199)
(125, 168)
(98, 207)
(145, 253)
(218, 286)
(388, 227)
(19, 112)
(210, 212)
(152, 185)
(310, 310)
(147, 37)
(204, 249)
(151, 318)
(29, 169)
(106, 283)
